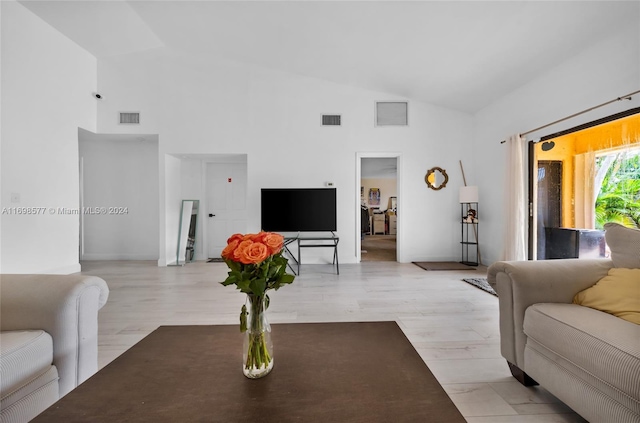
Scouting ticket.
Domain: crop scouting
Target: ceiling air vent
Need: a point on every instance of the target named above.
(331, 120)
(392, 113)
(130, 117)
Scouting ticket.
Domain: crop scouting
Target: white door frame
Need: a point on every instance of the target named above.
(81, 209)
(400, 200)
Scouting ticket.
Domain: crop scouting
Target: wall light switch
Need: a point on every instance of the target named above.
(15, 197)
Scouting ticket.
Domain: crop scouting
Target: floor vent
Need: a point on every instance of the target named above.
(392, 113)
(130, 117)
(331, 120)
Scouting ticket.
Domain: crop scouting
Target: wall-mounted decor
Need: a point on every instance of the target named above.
(374, 196)
(436, 178)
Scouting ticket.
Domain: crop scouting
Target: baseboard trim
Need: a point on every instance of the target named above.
(65, 270)
(105, 257)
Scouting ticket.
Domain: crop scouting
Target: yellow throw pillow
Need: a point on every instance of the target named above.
(618, 293)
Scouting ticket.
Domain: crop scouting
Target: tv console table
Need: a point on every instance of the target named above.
(312, 240)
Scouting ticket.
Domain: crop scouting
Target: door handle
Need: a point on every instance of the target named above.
(211, 215)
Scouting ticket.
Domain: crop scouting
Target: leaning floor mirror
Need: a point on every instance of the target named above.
(187, 232)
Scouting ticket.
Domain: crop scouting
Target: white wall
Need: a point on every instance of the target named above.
(120, 172)
(171, 200)
(47, 85)
(387, 186)
(274, 117)
(605, 71)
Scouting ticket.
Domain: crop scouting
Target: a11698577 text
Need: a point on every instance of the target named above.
(30, 211)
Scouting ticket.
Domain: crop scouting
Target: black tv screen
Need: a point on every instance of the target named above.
(298, 209)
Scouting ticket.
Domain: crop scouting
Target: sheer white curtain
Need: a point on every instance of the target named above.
(515, 201)
(584, 196)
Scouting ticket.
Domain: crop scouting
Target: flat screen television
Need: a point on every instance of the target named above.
(298, 209)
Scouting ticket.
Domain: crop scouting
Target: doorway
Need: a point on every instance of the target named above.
(378, 208)
(226, 199)
(549, 201)
(118, 211)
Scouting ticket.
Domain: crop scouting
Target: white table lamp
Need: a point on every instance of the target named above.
(469, 194)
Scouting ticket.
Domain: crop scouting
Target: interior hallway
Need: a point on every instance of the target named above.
(378, 248)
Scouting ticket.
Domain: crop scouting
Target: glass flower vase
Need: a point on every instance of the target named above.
(257, 351)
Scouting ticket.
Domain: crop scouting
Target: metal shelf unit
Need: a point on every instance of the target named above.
(469, 239)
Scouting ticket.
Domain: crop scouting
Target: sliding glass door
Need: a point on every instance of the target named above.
(581, 179)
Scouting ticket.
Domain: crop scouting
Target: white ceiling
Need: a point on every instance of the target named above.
(458, 54)
(379, 167)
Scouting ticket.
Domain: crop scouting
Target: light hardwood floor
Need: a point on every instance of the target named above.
(452, 325)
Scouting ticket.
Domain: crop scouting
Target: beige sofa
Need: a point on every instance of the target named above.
(48, 339)
(587, 358)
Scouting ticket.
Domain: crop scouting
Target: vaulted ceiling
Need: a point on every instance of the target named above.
(458, 54)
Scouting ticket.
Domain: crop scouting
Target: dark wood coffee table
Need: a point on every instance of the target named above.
(323, 372)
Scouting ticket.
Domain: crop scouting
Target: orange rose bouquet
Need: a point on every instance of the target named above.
(255, 266)
(256, 263)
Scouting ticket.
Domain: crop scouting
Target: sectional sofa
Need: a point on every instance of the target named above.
(588, 358)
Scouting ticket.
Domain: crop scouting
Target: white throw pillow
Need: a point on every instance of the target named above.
(624, 244)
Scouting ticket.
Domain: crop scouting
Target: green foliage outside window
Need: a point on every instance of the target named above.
(619, 197)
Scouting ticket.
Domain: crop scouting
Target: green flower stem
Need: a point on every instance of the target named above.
(258, 352)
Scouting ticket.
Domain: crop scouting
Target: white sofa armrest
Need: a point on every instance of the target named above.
(65, 306)
(524, 283)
